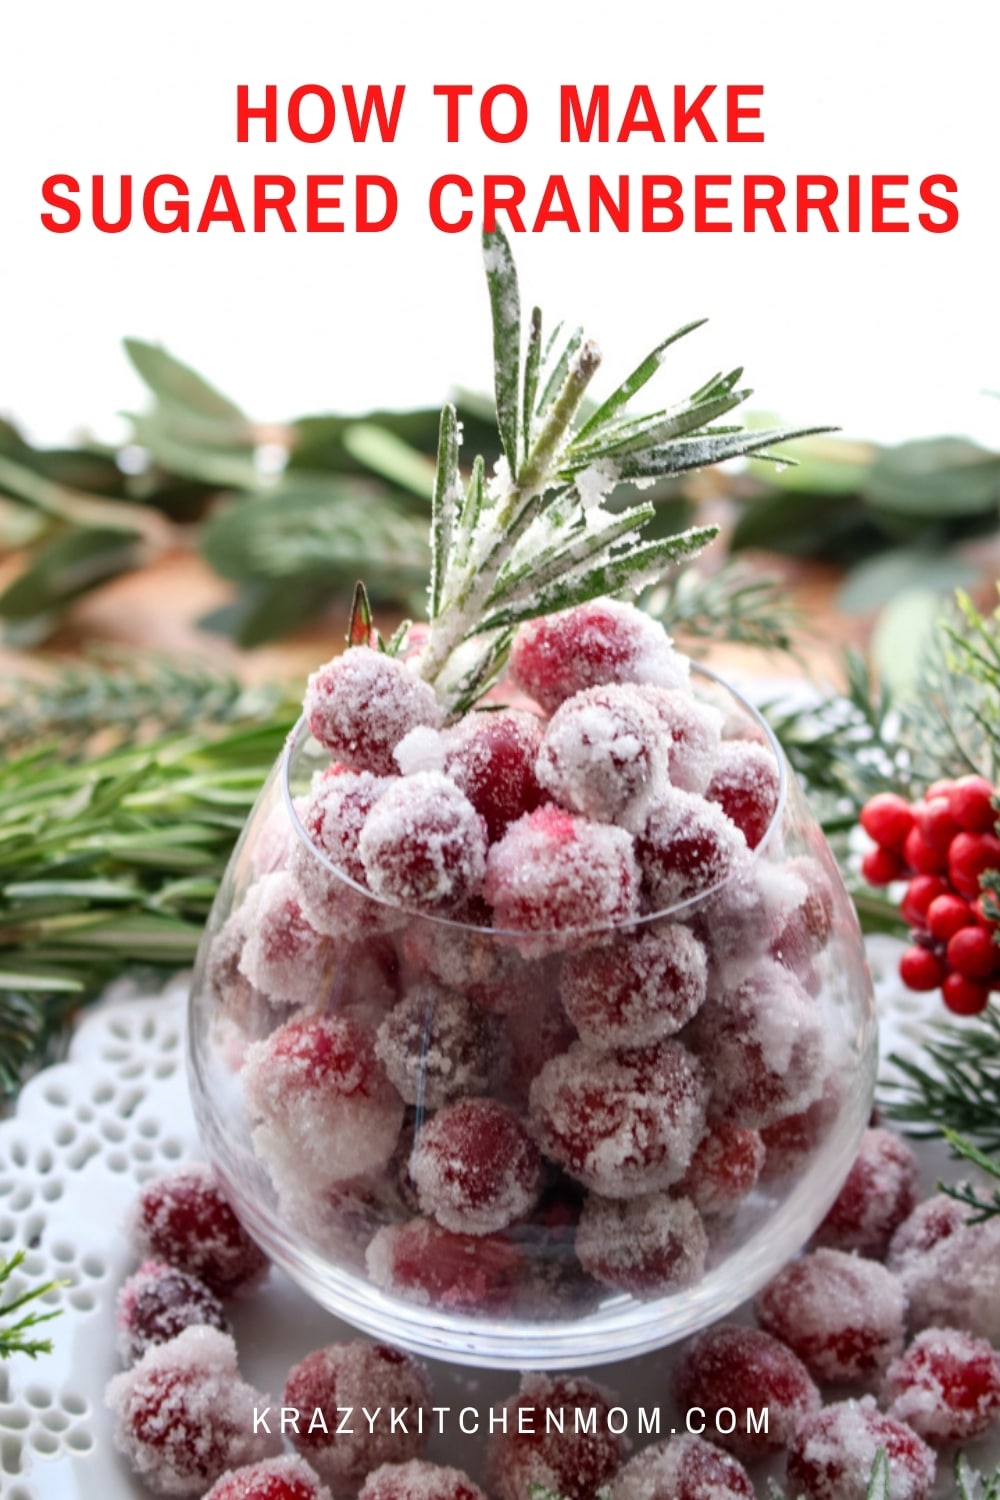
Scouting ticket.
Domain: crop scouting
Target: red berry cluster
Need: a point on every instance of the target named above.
(942, 845)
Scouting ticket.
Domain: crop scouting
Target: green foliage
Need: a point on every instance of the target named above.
(15, 1337)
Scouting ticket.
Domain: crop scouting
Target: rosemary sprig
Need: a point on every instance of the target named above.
(956, 1087)
(14, 1337)
(537, 537)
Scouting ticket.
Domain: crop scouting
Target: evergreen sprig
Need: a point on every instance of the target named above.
(14, 1336)
(956, 1085)
(537, 536)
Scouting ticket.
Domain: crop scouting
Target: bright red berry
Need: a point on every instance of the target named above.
(941, 788)
(936, 823)
(972, 952)
(922, 856)
(970, 802)
(921, 891)
(947, 915)
(971, 855)
(881, 866)
(981, 915)
(887, 818)
(920, 969)
(965, 997)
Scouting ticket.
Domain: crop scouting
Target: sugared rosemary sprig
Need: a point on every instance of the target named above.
(537, 537)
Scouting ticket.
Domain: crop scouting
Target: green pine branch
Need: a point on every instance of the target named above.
(15, 1336)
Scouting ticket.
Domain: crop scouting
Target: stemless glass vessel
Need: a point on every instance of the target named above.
(318, 1059)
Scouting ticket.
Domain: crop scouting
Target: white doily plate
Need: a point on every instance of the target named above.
(85, 1134)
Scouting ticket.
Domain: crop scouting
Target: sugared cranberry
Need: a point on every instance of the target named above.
(322, 1108)
(833, 1450)
(604, 755)
(686, 847)
(693, 731)
(881, 1190)
(425, 1263)
(971, 855)
(530, 1451)
(436, 1046)
(644, 986)
(185, 1219)
(361, 704)
(762, 1044)
(793, 1139)
(602, 641)
(423, 844)
(682, 1468)
(623, 1123)
(745, 1371)
(647, 1246)
(946, 1386)
(745, 783)
(887, 818)
(843, 1316)
(475, 1166)
(157, 1303)
(491, 758)
(949, 1268)
(183, 1416)
(419, 1480)
(971, 803)
(333, 819)
(284, 957)
(285, 1478)
(356, 1376)
(553, 871)
(724, 1168)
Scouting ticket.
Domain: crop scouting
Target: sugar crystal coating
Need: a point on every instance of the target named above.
(647, 1246)
(604, 755)
(682, 1468)
(724, 1168)
(833, 1450)
(602, 641)
(284, 956)
(321, 1105)
(185, 1219)
(946, 1386)
(643, 986)
(790, 1141)
(332, 820)
(693, 732)
(623, 1123)
(158, 1302)
(686, 847)
(423, 844)
(573, 1463)
(436, 1267)
(360, 705)
(419, 1480)
(491, 758)
(746, 1370)
(357, 1375)
(763, 1047)
(183, 1416)
(843, 1316)
(286, 1478)
(435, 1046)
(881, 1190)
(949, 1268)
(552, 872)
(745, 783)
(475, 1166)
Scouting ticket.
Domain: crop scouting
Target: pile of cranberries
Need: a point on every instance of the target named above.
(942, 846)
(877, 1337)
(537, 956)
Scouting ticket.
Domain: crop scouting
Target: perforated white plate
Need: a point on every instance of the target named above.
(86, 1133)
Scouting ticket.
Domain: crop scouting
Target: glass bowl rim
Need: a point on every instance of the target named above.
(558, 936)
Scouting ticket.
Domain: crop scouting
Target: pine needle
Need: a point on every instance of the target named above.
(14, 1336)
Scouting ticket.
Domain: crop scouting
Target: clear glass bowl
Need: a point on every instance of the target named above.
(322, 1180)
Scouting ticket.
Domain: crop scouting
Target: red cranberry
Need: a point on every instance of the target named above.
(419, 1480)
(285, 1478)
(647, 1246)
(971, 803)
(887, 818)
(964, 997)
(832, 1453)
(881, 1190)
(602, 641)
(573, 1463)
(604, 755)
(971, 855)
(645, 986)
(920, 969)
(921, 891)
(745, 783)
(436, 1046)
(425, 1263)
(357, 1375)
(923, 857)
(973, 953)
(686, 848)
(935, 821)
(185, 1219)
(361, 704)
(683, 1468)
(746, 1371)
(423, 844)
(475, 1167)
(724, 1168)
(491, 758)
(157, 1303)
(947, 915)
(882, 866)
(843, 1316)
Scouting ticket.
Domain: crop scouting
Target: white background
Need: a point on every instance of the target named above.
(889, 335)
